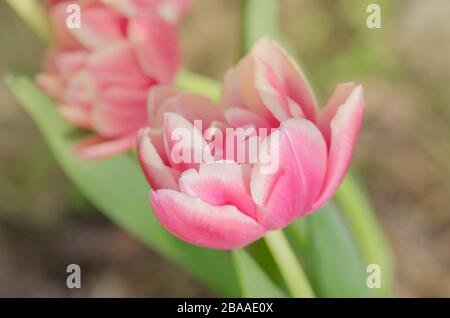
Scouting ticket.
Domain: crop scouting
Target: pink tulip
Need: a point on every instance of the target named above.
(228, 204)
(100, 74)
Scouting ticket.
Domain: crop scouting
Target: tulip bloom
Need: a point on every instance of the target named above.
(100, 74)
(228, 204)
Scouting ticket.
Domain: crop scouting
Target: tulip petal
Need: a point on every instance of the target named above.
(158, 94)
(344, 129)
(221, 183)
(155, 44)
(99, 27)
(289, 191)
(116, 64)
(183, 142)
(279, 78)
(120, 110)
(158, 174)
(241, 117)
(202, 224)
(98, 147)
(338, 98)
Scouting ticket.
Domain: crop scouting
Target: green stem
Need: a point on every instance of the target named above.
(289, 265)
(33, 13)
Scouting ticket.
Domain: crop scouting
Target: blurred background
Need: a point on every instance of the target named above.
(402, 154)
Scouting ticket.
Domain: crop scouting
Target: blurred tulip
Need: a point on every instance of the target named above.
(228, 204)
(100, 74)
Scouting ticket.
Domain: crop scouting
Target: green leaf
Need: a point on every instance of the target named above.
(253, 280)
(117, 187)
(332, 260)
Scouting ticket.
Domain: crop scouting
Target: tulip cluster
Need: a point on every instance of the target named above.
(113, 77)
(99, 74)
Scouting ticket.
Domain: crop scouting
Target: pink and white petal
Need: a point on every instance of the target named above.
(158, 174)
(62, 36)
(116, 64)
(289, 191)
(79, 116)
(100, 27)
(81, 90)
(120, 110)
(344, 129)
(70, 62)
(221, 183)
(156, 46)
(98, 147)
(192, 107)
(183, 142)
(339, 97)
(241, 117)
(158, 94)
(291, 78)
(199, 223)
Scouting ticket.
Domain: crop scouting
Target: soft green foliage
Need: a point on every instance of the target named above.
(117, 187)
(332, 260)
(253, 280)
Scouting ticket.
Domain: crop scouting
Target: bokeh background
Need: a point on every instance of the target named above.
(402, 154)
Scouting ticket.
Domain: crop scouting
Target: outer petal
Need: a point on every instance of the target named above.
(239, 90)
(158, 174)
(192, 107)
(344, 129)
(241, 117)
(99, 27)
(116, 64)
(97, 147)
(120, 110)
(155, 44)
(221, 183)
(157, 95)
(199, 223)
(285, 78)
(291, 190)
(337, 99)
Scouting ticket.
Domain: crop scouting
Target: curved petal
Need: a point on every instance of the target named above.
(290, 190)
(99, 27)
(157, 173)
(98, 147)
(120, 110)
(283, 76)
(70, 62)
(192, 107)
(344, 129)
(238, 90)
(157, 95)
(199, 223)
(62, 36)
(183, 142)
(241, 117)
(221, 183)
(81, 90)
(337, 99)
(115, 64)
(156, 46)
